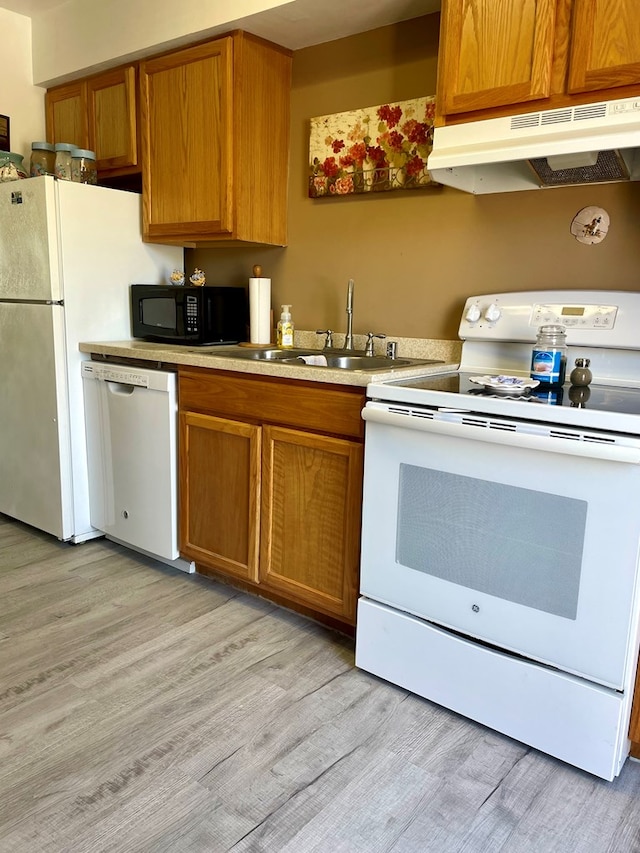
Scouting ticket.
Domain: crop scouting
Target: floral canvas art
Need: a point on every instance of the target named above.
(371, 150)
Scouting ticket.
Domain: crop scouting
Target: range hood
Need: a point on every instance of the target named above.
(586, 144)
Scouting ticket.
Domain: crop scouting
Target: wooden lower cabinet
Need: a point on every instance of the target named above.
(634, 723)
(274, 505)
(310, 527)
(220, 493)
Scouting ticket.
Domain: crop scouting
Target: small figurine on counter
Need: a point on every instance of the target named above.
(176, 277)
(197, 278)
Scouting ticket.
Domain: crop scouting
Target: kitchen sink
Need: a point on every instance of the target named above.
(336, 359)
(370, 362)
(264, 354)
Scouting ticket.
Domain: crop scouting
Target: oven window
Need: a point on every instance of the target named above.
(159, 311)
(516, 544)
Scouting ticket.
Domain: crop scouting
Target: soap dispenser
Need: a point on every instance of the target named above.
(285, 328)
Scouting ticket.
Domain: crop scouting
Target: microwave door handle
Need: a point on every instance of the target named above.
(587, 449)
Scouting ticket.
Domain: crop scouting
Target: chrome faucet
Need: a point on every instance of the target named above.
(328, 344)
(348, 338)
(368, 350)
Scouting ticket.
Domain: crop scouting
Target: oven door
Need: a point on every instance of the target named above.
(527, 542)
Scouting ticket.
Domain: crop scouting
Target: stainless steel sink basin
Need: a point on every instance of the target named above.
(364, 362)
(367, 362)
(264, 354)
(336, 359)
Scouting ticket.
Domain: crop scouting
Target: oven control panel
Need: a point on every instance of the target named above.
(597, 318)
(584, 316)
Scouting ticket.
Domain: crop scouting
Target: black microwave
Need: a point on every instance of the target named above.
(189, 315)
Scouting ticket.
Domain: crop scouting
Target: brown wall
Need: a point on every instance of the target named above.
(415, 255)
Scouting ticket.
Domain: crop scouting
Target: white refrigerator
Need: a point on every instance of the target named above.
(68, 253)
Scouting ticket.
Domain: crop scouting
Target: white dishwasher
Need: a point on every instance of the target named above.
(131, 422)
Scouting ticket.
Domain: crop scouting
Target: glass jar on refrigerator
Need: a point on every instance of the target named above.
(43, 159)
(83, 166)
(11, 168)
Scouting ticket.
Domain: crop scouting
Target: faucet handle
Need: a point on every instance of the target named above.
(368, 350)
(329, 339)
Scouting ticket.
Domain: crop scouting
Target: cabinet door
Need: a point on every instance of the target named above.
(111, 105)
(634, 723)
(220, 493)
(605, 46)
(310, 528)
(186, 104)
(494, 53)
(66, 114)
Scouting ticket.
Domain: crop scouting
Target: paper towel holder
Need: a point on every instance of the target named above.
(260, 314)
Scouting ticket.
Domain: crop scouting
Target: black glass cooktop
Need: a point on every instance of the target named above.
(595, 397)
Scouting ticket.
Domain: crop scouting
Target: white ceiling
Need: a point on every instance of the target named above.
(300, 23)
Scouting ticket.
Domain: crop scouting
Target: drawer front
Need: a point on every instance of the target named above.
(307, 405)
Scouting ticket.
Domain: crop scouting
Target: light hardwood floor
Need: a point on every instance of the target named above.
(142, 709)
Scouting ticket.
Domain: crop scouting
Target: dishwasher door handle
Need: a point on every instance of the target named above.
(121, 388)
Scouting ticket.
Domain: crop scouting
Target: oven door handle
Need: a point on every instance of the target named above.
(587, 449)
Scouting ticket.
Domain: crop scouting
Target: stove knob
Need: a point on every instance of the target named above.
(473, 314)
(492, 313)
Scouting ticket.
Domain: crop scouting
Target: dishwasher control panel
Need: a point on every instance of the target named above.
(106, 373)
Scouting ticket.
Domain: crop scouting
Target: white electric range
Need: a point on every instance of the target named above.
(501, 536)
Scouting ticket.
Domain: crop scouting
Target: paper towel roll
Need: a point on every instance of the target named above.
(260, 308)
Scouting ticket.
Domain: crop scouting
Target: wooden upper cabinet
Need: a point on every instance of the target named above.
(112, 118)
(500, 57)
(605, 45)
(187, 109)
(494, 53)
(98, 113)
(207, 177)
(66, 114)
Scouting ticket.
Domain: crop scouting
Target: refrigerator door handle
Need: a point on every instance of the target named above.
(32, 302)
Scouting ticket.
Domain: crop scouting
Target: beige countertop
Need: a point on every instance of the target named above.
(210, 357)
